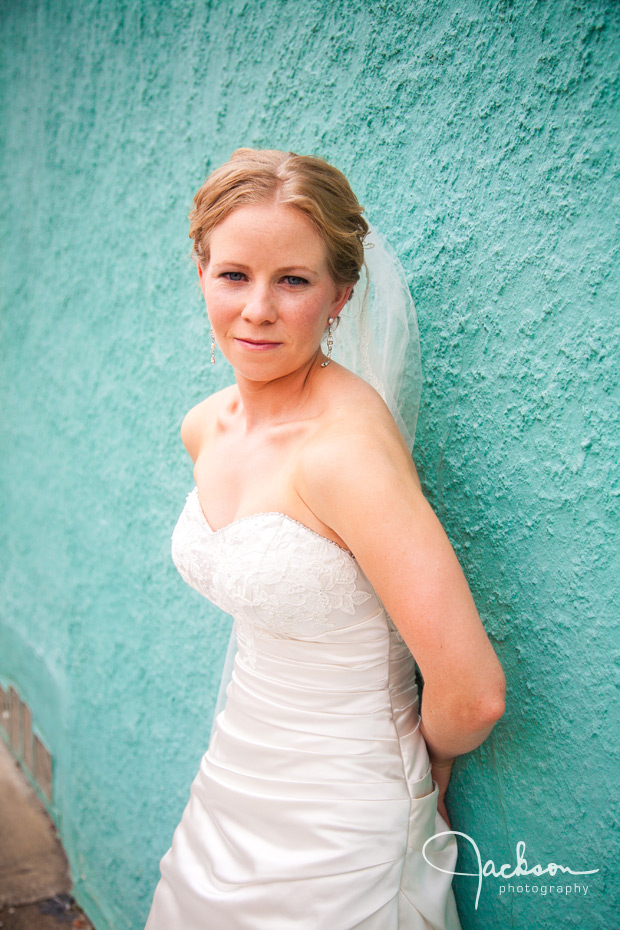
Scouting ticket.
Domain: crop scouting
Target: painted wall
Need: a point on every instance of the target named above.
(482, 138)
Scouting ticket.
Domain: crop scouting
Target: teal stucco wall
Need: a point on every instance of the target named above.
(482, 138)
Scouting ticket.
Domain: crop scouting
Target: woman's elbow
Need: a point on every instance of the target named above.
(492, 705)
(496, 708)
(484, 709)
(491, 692)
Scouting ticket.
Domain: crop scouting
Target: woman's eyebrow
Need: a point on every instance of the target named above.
(288, 269)
(217, 266)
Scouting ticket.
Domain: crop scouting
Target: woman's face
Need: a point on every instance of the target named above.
(268, 290)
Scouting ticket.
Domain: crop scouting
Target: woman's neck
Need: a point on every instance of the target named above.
(279, 401)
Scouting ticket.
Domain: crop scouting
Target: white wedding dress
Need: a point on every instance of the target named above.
(315, 797)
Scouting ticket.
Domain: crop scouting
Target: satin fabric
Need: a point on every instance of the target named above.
(315, 797)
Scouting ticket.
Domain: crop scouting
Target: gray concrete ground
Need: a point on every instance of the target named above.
(35, 883)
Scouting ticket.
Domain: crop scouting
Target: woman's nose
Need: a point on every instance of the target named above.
(259, 306)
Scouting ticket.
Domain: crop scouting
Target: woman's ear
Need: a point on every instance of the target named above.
(201, 276)
(343, 296)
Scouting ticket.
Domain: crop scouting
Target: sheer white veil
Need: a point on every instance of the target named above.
(377, 336)
(378, 339)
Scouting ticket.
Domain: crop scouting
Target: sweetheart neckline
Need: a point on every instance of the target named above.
(264, 513)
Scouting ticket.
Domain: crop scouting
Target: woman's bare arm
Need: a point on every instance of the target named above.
(363, 485)
(199, 422)
(193, 429)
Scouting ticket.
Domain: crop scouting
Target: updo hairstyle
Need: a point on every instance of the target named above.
(311, 185)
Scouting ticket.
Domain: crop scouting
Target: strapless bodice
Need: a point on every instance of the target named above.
(275, 576)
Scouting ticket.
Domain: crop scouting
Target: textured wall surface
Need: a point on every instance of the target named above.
(482, 138)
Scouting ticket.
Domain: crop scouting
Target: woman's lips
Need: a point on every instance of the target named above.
(256, 344)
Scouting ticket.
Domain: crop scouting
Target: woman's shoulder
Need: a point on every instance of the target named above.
(355, 413)
(356, 464)
(356, 431)
(200, 421)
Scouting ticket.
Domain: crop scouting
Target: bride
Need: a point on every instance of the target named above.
(319, 799)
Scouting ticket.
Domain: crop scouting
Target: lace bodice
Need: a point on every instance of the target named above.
(275, 576)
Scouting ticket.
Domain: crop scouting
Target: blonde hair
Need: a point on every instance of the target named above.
(310, 184)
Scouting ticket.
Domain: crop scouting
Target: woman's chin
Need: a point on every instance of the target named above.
(269, 365)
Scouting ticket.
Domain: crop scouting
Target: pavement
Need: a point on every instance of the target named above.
(35, 881)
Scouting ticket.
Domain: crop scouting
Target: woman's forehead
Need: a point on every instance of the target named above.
(268, 229)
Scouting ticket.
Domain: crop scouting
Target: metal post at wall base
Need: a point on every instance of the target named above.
(36, 879)
(27, 746)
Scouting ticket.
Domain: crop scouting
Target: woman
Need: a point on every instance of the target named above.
(322, 783)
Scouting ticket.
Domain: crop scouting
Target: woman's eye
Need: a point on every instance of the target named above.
(233, 275)
(295, 280)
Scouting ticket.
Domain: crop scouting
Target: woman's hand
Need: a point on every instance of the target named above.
(441, 772)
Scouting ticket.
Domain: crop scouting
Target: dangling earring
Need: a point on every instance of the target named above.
(212, 334)
(330, 342)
